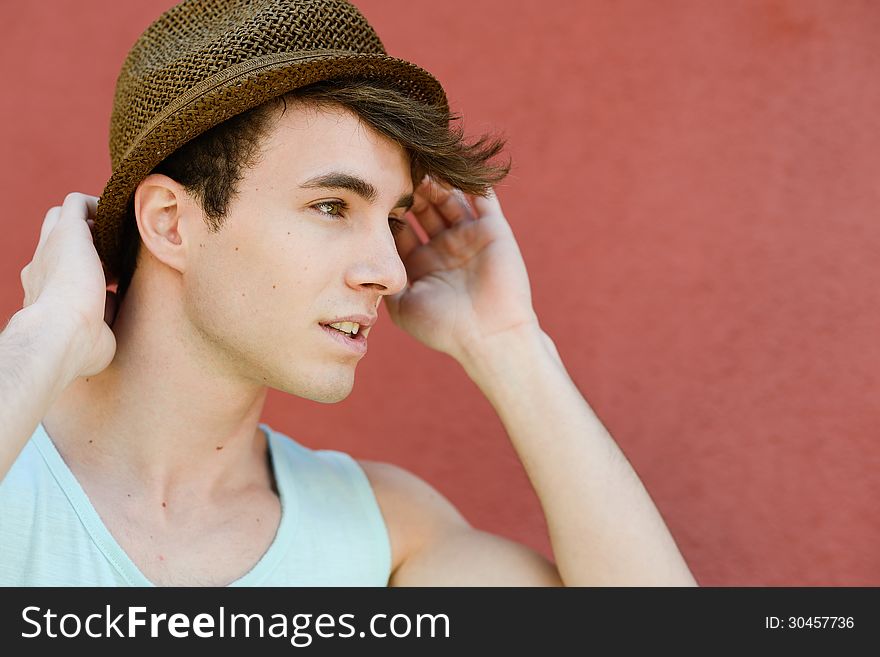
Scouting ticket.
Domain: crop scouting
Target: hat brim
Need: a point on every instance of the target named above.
(230, 92)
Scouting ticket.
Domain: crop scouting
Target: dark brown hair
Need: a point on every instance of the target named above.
(211, 165)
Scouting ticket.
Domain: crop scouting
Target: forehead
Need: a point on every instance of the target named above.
(306, 138)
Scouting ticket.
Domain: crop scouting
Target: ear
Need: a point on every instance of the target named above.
(165, 214)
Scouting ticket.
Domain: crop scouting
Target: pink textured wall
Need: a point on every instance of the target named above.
(695, 192)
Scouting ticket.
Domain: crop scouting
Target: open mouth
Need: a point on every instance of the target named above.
(356, 342)
(351, 336)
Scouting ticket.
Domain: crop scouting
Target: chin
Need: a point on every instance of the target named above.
(331, 396)
(328, 391)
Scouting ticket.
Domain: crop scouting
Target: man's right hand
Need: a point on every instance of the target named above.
(66, 277)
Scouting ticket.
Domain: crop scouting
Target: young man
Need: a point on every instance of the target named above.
(258, 202)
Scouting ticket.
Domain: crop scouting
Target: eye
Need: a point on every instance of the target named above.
(397, 225)
(336, 206)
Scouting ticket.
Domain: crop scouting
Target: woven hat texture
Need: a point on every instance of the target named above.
(204, 61)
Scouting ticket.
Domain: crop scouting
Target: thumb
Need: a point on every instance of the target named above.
(392, 304)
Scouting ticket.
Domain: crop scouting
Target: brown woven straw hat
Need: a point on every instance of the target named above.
(204, 61)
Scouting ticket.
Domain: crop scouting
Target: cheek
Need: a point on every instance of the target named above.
(288, 274)
(298, 256)
(208, 297)
(270, 335)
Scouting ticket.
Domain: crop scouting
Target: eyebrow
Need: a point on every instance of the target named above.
(342, 180)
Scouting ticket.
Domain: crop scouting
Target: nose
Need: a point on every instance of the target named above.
(378, 264)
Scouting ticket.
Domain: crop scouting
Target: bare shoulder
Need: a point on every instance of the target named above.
(414, 511)
(432, 544)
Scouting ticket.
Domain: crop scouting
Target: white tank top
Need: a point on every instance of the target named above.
(331, 533)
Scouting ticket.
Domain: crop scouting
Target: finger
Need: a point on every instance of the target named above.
(466, 203)
(427, 215)
(455, 208)
(79, 207)
(407, 241)
(392, 304)
(450, 203)
(488, 204)
(489, 211)
(49, 222)
(91, 223)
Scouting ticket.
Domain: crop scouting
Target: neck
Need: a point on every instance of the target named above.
(167, 416)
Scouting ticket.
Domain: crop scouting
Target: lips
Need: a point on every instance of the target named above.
(354, 343)
(365, 322)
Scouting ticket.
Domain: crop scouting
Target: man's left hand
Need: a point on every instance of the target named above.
(468, 283)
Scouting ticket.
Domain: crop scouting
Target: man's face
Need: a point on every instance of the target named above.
(295, 254)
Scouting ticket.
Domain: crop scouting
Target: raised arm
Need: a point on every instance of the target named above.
(603, 525)
(62, 331)
(470, 298)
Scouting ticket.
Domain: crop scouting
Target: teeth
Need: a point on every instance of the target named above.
(348, 327)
